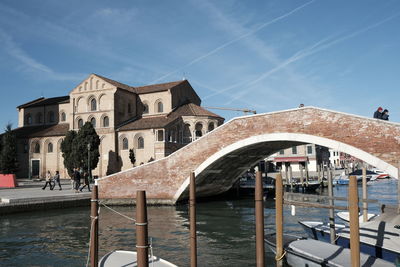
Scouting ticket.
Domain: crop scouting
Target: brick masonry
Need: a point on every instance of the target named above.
(164, 179)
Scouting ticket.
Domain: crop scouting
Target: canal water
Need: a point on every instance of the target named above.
(226, 231)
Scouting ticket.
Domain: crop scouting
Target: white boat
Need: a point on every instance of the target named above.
(381, 174)
(119, 258)
(344, 179)
(377, 238)
(344, 215)
(313, 253)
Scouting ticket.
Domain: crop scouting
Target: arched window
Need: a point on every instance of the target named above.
(28, 119)
(199, 130)
(187, 135)
(210, 126)
(63, 116)
(93, 105)
(125, 144)
(50, 148)
(140, 142)
(37, 148)
(160, 107)
(93, 122)
(106, 121)
(51, 116)
(39, 118)
(80, 123)
(145, 109)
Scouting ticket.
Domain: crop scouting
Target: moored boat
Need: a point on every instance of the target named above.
(129, 258)
(377, 238)
(344, 215)
(301, 251)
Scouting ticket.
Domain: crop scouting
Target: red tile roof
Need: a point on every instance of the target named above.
(157, 87)
(161, 121)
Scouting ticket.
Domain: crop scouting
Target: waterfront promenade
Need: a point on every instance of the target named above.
(29, 196)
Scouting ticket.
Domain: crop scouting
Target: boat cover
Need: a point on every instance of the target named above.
(129, 259)
(331, 255)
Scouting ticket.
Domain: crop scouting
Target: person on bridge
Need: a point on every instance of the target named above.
(378, 113)
(385, 115)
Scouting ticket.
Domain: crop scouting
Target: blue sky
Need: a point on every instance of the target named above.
(263, 55)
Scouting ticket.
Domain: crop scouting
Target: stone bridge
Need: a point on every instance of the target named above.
(221, 156)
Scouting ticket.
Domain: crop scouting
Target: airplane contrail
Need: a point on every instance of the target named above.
(319, 46)
(234, 40)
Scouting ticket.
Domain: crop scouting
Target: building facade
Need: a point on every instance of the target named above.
(303, 157)
(153, 120)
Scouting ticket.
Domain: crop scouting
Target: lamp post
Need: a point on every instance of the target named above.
(88, 149)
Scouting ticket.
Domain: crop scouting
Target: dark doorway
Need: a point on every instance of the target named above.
(35, 168)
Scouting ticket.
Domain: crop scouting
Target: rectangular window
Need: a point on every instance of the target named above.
(309, 149)
(281, 152)
(294, 150)
(160, 135)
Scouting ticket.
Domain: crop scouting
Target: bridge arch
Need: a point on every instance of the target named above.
(286, 140)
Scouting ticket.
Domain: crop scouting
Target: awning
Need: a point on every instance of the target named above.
(291, 159)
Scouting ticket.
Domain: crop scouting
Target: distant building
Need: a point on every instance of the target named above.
(303, 156)
(153, 120)
(334, 158)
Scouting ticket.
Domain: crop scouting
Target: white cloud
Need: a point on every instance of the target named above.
(30, 64)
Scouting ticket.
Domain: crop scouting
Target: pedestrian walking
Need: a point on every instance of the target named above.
(385, 115)
(48, 181)
(86, 181)
(56, 179)
(378, 113)
(77, 180)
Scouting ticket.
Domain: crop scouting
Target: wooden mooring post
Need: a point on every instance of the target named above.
(279, 219)
(192, 215)
(332, 210)
(94, 229)
(259, 207)
(364, 194)
(354, 222)
(307, 174)
(142, 244)
(398, 188)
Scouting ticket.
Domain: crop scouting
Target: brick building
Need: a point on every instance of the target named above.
(153, 120)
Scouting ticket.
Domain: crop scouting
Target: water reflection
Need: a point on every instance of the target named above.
(226, 231)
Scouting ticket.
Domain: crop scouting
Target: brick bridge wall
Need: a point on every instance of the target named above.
(375, 141)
